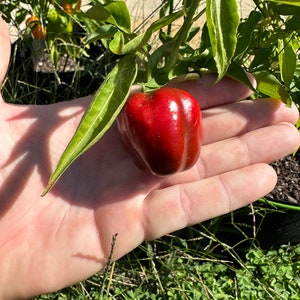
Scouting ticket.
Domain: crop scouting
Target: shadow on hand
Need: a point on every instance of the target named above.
(31, 151)
(96, 172)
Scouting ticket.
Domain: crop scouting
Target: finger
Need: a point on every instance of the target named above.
(263, 145)
(237, 118)
(209, 94)
(4, 49)
(178, 206)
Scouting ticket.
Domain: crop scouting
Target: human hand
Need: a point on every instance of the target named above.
(55, 241)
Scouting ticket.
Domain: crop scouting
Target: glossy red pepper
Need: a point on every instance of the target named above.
(162, 130)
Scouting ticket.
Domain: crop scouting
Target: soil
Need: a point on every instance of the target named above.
(282, 227)
(288, 186)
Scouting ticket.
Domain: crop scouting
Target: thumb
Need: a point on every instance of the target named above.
(4, 50)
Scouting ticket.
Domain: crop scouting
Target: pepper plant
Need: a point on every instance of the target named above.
(49, 20)
(265, 43)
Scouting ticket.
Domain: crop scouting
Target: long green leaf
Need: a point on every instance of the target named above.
(100, 115)
(287, 61)
(222, 22)
(269, 85)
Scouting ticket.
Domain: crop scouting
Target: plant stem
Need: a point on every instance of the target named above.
(181, 35)
(171, 9)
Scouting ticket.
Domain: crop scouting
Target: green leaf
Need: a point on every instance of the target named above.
(237, 72)
(222, 22)
(269, 85)
(100, 115)
(120, 15)
(105, 31)
(293, 24)
(285, 9)
(291, 2)
(115, 13)
(96, 12)
(120, 47)
(287, 61)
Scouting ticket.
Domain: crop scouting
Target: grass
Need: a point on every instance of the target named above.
(25, 86)
(218, 259)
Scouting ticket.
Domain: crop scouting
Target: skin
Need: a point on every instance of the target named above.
(50, 242)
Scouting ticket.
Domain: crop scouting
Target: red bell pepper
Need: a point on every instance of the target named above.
(162, 130)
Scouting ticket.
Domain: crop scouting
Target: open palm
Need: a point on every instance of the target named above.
(47, 243)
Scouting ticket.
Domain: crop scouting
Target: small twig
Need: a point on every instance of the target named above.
(109, 263)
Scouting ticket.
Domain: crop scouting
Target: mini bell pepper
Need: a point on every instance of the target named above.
(162, 130)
